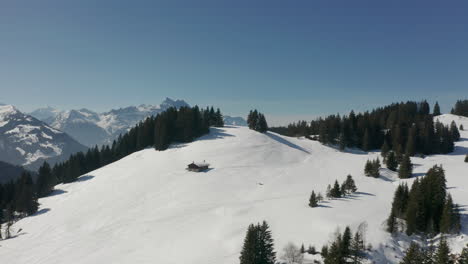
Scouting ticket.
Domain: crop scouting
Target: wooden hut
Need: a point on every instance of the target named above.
(198, 166)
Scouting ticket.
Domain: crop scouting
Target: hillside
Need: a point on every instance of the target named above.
(146, 208)
(26, 141)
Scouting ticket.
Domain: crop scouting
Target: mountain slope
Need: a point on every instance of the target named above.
(146, 208)
(91, 128)
(26, 141)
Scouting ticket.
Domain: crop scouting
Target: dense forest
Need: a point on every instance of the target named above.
(19, 198)
(402, 127)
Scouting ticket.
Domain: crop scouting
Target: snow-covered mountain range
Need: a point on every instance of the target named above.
(27, 141)
(91, 128)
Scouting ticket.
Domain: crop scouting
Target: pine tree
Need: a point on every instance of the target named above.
(466, 158)
(413, 255)
(391, 161)
(450, 219)
(302, 249)
(258, 246)
(442, 255)
(461, 127)
(336, 190)
(262, 124)
(406, 168)
(454, 131)
(357, 248)
(368, 168)
(45, 180)
(349, 185)
(436, 110)
(249, 254)
(313, 202)
(345, 246)
(463, 259)
(219, 119)
(392, 223)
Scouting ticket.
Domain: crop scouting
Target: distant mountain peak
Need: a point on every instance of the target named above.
(168, 102)
(27, 141)
(92, 128)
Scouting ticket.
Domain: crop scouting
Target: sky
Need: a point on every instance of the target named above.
(289, 59)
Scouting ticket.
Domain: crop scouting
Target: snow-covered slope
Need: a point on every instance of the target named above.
(91, 128)
(146, 208)
(26, 141)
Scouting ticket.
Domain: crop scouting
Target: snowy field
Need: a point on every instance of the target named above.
(146, 208)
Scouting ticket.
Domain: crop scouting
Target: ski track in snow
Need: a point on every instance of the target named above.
(146, 208)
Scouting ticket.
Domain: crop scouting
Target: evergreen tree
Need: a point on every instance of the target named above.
(324, 251)
(26, 199)
(249, 254)
(406, 168)
(336, 190)
(413, 255)
(392, 223)
(450, 219)
(313, 201)
(391, 161)
(349, 185)
(463, 259)
(455, 134)
(219, 119)
(357, 248)
(461, 128)
(45, 180)
(442, 255)
(466, 158)
(436, 111)
(345, 246)
(258, 246)
(368, 168)
(302, 249)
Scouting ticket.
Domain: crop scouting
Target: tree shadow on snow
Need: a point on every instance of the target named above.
(215, 133)
(84, 178)
(40, 212)
(459, 151)
(364, 193)
(56, 192)
(285, 142)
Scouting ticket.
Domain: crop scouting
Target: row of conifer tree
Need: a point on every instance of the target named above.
(402, 127)
(19, 198)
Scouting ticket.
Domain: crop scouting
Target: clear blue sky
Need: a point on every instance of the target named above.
(290, 59)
